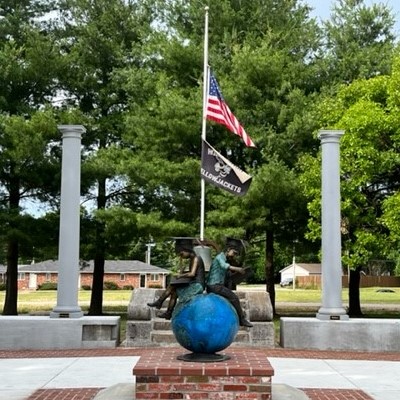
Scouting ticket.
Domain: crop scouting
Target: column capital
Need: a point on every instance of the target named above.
(330, 135)
(71, 130)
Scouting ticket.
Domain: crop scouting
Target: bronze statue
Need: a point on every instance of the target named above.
(185, 284)
(217, 276)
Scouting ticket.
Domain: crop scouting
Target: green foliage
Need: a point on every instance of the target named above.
(360, 40)
(109, 285)
(48, 286)
(369, 168)
(155, 286)
(131, 73)
(28, 65)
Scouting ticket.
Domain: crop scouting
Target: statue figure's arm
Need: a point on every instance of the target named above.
(193, 270)
(237, 269)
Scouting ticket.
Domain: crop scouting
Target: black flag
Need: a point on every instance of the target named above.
(219, 171)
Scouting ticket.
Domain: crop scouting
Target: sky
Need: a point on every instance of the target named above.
(322, 9)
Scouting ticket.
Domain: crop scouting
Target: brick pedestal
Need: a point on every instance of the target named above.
(247, 375)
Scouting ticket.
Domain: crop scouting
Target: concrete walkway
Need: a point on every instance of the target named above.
(21, 377)
(379, 379)
(377, 375)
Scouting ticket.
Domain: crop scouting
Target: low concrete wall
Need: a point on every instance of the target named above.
(374, 335)
(40, 333)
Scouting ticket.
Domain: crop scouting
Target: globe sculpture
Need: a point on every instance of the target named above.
(206, 324)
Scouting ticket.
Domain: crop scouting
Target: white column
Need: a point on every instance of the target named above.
(68, 247)
(332, 306)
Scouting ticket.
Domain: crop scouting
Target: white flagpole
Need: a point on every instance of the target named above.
(203, 130)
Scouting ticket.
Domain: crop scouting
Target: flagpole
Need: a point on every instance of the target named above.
(203, 130)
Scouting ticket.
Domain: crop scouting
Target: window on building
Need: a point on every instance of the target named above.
(21, 276)
(154, 277)
(48, 276)
(122, 277)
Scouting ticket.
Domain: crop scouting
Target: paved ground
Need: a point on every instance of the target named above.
(81, 374)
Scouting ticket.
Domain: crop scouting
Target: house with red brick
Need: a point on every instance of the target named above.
(123, 273)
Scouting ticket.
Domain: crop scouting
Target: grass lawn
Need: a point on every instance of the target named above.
(367, 295)
(45, 300)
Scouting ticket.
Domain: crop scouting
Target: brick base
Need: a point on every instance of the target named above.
(246, 375)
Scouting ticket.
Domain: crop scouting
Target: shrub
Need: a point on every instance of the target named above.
(127, 287)
(48, 286)
(155, 286)
(2, 286)
(86, 287)
(108, 285)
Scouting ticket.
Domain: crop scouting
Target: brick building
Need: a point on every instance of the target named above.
(124, 273)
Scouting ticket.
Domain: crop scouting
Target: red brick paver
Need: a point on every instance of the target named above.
(65, 394)
(89, 394)
(134, 351)
(336, 394)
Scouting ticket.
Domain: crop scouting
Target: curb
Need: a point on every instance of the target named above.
(120, 391)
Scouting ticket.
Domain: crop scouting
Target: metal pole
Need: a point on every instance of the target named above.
(204, 125)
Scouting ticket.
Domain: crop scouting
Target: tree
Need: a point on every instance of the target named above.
(359, 44)
(359, 41)
(273, 86)
(261, 53)
(368, 113)
(27, 61)
(97, 40)
(24, 172)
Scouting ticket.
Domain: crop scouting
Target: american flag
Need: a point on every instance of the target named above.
(218, 111)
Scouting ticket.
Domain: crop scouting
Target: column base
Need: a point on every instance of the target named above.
(332, 314)
(66, 312)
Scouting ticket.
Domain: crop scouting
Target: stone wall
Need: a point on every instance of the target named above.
(144, 329)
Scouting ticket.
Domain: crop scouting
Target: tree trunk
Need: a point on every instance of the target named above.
(269, 262)
(10, 303)
(96, 300)
(354, 293)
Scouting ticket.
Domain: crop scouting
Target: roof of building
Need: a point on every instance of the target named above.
(110, 266)
(311, 268)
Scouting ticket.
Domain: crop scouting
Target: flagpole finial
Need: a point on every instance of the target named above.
(206, 8)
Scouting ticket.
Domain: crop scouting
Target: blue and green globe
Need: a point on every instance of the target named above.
(205, 324)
